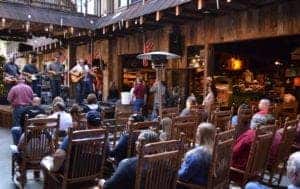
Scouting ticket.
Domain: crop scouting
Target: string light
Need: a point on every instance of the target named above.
(113, 27)
(3, 22)
(103, 31)
(72, 30)
(218, 4)
(200, 5)
(61, 22)
(127, 24)
(228, 1)
(51, 28)
(177, 10)
(141, 20)
(157, 16)
(27, 26)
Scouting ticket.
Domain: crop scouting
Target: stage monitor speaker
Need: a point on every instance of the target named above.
(176, 43)
(24, 47)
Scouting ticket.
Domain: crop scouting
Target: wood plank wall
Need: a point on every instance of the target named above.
(278, 19)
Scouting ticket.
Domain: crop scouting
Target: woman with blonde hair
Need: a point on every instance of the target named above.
(195, 166)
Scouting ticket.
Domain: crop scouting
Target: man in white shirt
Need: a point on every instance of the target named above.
(81, 75)
(65, 120)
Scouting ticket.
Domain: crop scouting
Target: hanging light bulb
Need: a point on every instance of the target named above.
(228, 1)
(127, 24)
(157, 18)
(141, 20)
(120, 26)
(55, 45)
(103, 31)
(3, 22)
(218, 4)
(200, 5)
(65, 33)
(113, 27)
(61, 22)
(177, 10)
(72, 30)
(27, 26)
(51, 28)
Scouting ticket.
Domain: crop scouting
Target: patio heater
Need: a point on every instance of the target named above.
(158, 61)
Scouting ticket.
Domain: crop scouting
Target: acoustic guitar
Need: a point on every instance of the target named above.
(9, 79)
(31, 77)
(76, 76)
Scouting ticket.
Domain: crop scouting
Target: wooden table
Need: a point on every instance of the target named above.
(6, 116)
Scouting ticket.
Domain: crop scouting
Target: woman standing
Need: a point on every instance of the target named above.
(139, 94)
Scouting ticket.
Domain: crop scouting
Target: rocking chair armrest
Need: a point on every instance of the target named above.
(237, 170)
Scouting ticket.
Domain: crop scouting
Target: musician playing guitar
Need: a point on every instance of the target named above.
(56, 71)
(11, 73)
(82, 76)
(31, 74)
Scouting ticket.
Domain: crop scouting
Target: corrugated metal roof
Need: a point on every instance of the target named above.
(17, 11)
(138, 9)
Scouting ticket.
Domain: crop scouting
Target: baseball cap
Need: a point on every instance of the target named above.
(93, 118)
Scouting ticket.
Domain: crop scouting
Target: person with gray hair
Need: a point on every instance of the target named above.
(124, 176)
(262, 117)
(190, 101)
(195, 166)
(65, 120)
(293, 174)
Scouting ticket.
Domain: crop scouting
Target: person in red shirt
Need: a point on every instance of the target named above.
(19, 96)
(139, 93)
(242, 146)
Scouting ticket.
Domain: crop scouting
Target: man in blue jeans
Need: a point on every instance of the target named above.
(85, 84)
(56, 71)
(19, 96)
(139, 93)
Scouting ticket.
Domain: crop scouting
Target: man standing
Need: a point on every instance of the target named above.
(83, 80)
(30, 71)
(19, 96)
(56, 70)
(159, 90)
(11, 73)
(30, 111)
(139, 93)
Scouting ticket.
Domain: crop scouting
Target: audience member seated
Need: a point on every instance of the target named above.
(92, 104)
(241, 149)
(262, 117)
(190, 101)
(31, 111)
(93, 122)
(234, 119)
(120, 151)
(166, 124)
(75, 112)
(65, 120)
(293, 174)
(195, 166)
(124, 176)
